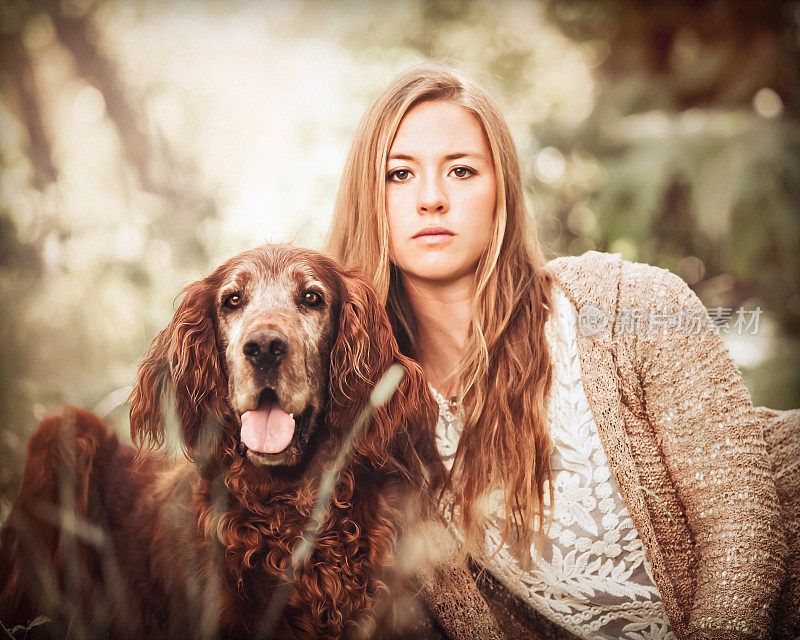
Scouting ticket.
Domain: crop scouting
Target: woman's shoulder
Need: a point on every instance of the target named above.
(607, 280)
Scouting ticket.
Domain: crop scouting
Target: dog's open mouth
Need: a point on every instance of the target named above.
(270, 431)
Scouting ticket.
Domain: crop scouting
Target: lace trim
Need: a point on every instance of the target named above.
(593, 577)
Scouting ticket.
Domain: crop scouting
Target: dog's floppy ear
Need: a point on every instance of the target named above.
(183, 360)
(364, 349)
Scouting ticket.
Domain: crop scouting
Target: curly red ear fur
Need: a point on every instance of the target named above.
(184, 360)
(364, 349)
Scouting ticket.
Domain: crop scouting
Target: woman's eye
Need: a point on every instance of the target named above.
(312, 299)
(232, 301)
(399, 175)
(462, 172)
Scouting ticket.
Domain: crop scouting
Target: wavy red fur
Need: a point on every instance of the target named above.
(199, 544)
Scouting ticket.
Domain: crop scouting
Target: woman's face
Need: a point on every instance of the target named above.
(440, 193)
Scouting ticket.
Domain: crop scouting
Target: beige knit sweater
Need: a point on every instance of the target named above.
(689, 454)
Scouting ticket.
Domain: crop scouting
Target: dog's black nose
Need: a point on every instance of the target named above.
(265, 349)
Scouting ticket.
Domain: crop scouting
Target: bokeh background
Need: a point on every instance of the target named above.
(143, 142)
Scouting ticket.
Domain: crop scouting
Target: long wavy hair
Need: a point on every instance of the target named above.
(505, 373)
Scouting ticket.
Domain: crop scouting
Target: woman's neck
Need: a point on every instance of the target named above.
(443, 313)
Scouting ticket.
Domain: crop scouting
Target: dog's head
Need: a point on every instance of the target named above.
(277, 347)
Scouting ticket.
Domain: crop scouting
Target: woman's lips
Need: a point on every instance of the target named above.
(434, 236)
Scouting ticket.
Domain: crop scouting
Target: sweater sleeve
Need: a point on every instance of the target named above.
(713, 445)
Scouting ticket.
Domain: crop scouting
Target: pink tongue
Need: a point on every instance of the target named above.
(267, 430)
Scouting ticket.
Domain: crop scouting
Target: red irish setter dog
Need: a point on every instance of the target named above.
(264, 368)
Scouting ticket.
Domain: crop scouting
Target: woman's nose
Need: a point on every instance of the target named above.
(432, 198)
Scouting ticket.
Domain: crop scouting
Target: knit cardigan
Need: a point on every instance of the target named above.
(688, 451)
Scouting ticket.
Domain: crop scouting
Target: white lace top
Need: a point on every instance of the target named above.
(593, 577)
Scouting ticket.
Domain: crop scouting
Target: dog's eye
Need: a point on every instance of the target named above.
(312, 298)
(232, 301)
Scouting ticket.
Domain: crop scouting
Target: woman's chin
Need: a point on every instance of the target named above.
(440, 274)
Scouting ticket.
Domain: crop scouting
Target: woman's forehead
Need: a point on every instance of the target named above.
(439, 128)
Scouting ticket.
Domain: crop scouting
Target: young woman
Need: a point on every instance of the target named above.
(606, 464)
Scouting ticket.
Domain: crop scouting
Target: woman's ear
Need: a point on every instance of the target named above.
(183, 360)
(364, 349)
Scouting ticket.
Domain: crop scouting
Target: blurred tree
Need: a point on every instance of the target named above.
(66, 336)
(701, 53)
(696, 128)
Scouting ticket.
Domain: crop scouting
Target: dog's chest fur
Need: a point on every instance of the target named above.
(250, 542)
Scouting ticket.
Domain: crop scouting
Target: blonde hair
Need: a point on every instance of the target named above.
(505, 372)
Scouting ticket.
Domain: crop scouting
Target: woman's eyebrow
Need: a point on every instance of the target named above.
(465, 154)
(449, 156)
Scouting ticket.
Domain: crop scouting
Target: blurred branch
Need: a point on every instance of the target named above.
(78, 36)
(160, 170)
(19, 86)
